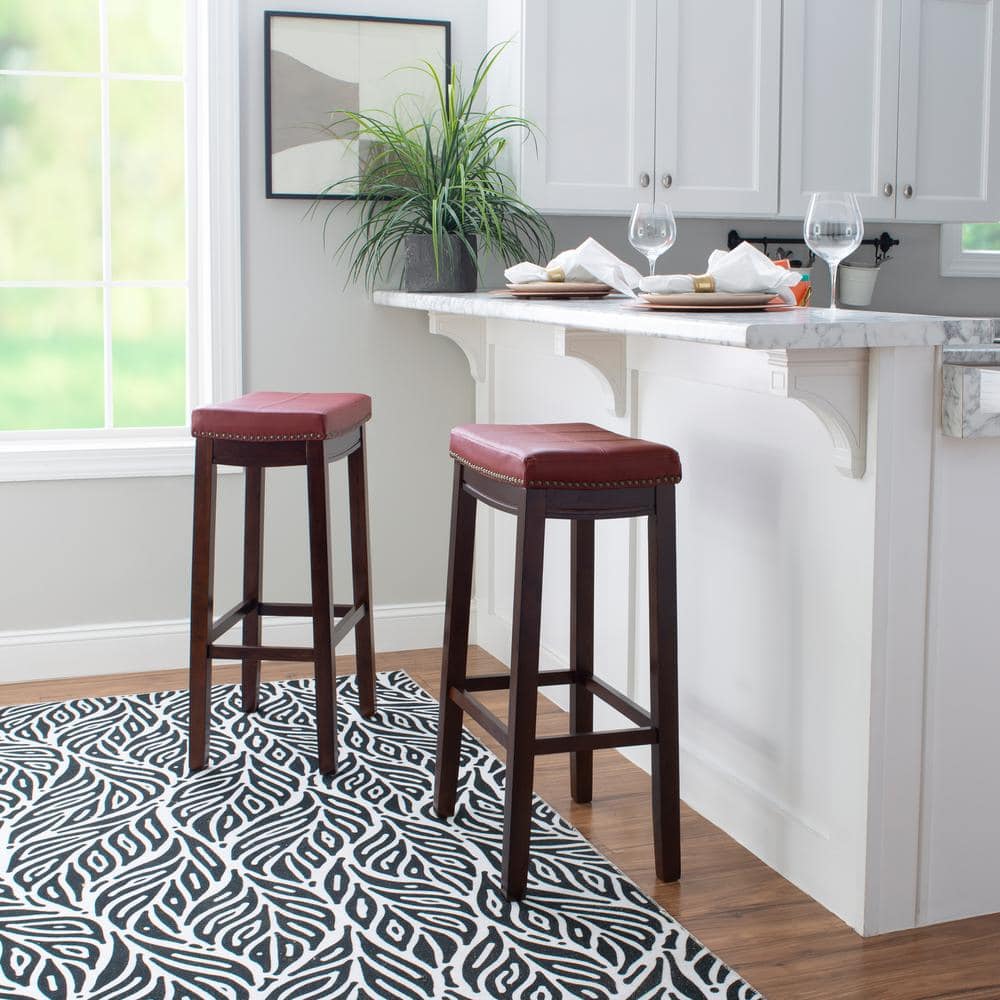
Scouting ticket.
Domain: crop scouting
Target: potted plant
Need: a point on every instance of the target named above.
(433, 186)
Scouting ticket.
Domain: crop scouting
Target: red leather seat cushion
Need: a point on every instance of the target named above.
(282, 416)
(563, 456)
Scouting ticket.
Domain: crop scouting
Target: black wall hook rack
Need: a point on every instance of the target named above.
(881, 243)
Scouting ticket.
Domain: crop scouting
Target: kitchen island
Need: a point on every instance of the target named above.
(837, 695)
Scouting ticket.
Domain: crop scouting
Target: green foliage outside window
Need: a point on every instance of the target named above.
(981, 236)
(52, 337)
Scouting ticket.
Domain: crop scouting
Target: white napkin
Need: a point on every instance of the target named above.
(588, 262)
(744, 269)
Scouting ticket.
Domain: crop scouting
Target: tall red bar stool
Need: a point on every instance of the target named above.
(581, 473)
(266, 430)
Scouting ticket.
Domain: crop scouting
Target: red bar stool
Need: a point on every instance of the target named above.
(581, 473)
(266, 430)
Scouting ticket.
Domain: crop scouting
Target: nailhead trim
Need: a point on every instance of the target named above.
(555, 484)
(263, 437)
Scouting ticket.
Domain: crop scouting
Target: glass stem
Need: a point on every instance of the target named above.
(652, 265)
(833, 283)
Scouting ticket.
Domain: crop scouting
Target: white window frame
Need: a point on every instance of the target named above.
(212, 114)
(959, 263)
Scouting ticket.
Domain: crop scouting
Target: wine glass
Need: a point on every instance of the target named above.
(832, 230)
(652, 230)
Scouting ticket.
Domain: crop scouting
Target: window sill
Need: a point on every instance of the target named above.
(64, 458)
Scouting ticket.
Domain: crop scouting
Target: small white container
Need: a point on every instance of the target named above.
(856, 283)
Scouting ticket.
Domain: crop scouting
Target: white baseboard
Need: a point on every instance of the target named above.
(90, 650)
(789, 843)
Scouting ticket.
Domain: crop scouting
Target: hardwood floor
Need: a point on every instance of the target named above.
(783, 942)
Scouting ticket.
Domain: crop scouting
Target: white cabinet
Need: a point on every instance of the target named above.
(840, 82)
(677, 98)
(717, 96)
(896, 100)
(588, 84)
(949, 112)
(744, 107)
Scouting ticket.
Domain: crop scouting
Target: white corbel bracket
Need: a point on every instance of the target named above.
(469, 332)
(834, 385)
(605, 355)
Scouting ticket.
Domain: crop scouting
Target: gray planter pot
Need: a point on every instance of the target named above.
(457, 271)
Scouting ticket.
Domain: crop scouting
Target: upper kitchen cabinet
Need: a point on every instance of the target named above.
(839, 93)
(718, 72)
(634, 99)
(896, 100)
(949, 112)
(743, 107)
(588, 76)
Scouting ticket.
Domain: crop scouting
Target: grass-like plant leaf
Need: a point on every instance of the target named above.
(439, 173)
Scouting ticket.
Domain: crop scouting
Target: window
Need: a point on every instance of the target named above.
(971, 250)
(980, 237)
(118, 231)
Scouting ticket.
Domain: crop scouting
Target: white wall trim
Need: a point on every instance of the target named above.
(959, 263)
(130, 647)
(784, 840)
(218, 286)
(124, 458)
(64, 459)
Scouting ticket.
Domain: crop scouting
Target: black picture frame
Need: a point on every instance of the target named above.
(311, 15)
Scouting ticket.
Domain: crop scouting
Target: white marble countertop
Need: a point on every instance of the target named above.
(970, 405)
(796, 328)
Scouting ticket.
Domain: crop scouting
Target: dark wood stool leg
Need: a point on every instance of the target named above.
(525, 638)
(253, 567)
(456, 643)
(581, 654)
(202, 575)
(663, 685)
(364, 646)
(324, 654)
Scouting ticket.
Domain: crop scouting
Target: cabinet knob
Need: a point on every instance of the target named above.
(887, 189)
(666, 180)
(644, 180)
(908, 191)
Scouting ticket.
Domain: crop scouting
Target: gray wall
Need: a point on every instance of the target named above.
(305, 330)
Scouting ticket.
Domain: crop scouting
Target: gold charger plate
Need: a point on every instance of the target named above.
(559, 290)
(709, 298)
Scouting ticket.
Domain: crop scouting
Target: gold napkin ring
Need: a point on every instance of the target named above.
(703, 282)
(555, 274)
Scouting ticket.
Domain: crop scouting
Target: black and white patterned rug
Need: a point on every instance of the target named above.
(123, 876)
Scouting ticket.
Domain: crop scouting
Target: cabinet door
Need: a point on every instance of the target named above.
(718, 74)
(840, 82)
(588, 84)
(949, 111)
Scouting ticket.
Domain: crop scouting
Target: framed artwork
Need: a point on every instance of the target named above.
(318, 64)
